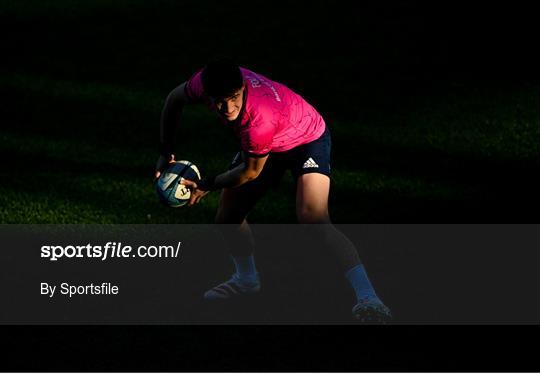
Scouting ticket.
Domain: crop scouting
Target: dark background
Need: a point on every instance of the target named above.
(76, 74)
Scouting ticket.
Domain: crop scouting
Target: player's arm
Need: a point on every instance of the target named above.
(170, 121)
(243, 173)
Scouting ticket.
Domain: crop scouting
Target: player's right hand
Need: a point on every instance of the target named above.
(196, 193)
(162, 163)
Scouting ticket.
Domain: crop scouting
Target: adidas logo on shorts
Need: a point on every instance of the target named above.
(310, 164)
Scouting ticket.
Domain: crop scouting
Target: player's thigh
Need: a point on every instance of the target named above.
(236, 203)
(310, 165)
(312, 191)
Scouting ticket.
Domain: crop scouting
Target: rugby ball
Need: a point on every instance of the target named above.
(169, 185)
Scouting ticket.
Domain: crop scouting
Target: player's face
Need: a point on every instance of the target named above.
(229, 107)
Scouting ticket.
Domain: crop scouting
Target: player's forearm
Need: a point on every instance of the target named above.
(170, 121)
(232, 178)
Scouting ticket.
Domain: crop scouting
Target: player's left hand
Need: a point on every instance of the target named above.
(196, 193)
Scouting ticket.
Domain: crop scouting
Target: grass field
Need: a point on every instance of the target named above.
(86, 82)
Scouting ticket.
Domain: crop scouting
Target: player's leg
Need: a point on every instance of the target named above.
(312, 208)
(231, 217)
(311, 169)
(234, 206)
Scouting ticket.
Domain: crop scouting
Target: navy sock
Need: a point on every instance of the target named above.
(360, 282)
(245, 269)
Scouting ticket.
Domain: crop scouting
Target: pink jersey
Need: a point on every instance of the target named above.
(273, 117)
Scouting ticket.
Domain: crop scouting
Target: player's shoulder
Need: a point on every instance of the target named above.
(193, 90)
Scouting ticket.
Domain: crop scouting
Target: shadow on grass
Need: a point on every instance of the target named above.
(407, 161)
(489, 188)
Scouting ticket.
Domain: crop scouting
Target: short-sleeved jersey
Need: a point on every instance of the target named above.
(273, 118)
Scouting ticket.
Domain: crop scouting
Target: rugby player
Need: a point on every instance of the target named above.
(277, 130)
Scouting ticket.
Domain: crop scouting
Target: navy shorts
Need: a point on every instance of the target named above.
(313, 157)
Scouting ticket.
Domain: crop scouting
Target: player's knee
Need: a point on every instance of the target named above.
(228, 217)
(224, 219)
(310, 215)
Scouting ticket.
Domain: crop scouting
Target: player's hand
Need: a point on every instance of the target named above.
(196, 193)
(162, 163)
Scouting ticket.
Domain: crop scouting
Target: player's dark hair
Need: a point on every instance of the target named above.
(221, 78)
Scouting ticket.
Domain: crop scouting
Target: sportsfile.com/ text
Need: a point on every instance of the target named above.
(109, 251)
